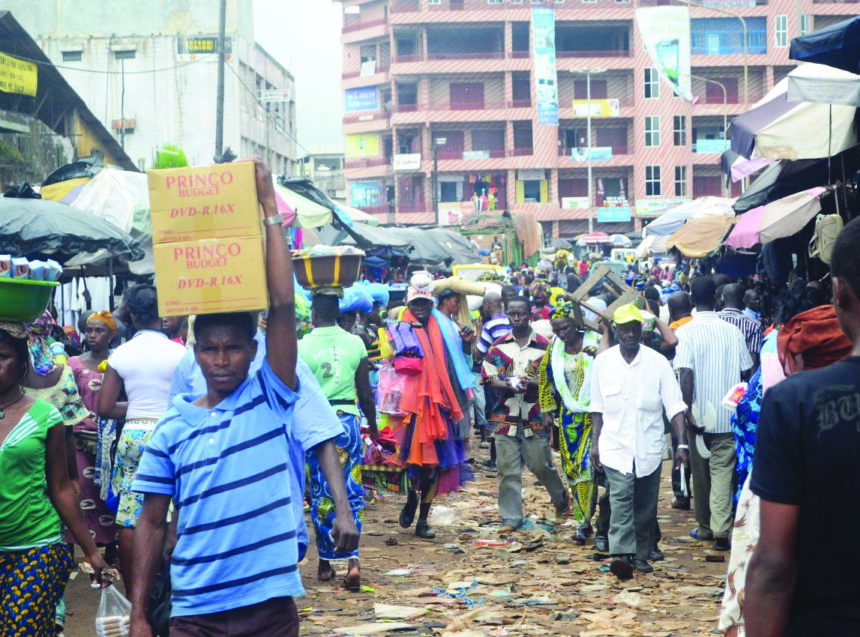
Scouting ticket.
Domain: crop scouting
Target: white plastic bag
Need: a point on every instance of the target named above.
(112, 617)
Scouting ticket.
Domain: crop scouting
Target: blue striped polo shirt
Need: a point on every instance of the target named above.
(228, 471)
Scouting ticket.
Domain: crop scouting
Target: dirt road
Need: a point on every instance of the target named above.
(539, 583)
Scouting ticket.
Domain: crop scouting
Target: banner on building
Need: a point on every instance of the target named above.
(18, 76)
(361, 99)
(599, 108)
(666, 35)
(652, 207)
(546, 80)
(594, 153)
(613, 214)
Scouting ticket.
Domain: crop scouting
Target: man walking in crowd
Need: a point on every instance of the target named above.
(511, 369)
(495, 325)
(680, 310)
(339, 362)
(806, 470)
(733, 312)
(630, 387)
(218, 457)
(711, 357)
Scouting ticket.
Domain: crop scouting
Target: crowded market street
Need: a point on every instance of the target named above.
(539, 583)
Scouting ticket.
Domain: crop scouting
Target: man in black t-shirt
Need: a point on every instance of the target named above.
(804, 577)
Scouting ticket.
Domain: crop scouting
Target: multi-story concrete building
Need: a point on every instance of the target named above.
(148, 70)
(323, 165)
(459, 77)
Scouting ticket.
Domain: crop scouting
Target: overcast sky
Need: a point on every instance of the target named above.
(304, 36)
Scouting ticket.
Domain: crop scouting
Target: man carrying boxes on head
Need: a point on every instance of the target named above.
(224, 459)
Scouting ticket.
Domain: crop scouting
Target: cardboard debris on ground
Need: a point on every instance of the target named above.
(468, 583)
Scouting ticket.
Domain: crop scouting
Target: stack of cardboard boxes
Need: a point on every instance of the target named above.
(207, 236)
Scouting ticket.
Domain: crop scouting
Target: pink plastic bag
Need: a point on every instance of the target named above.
(391, 388)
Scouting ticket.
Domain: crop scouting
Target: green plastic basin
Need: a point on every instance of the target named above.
(24, 301)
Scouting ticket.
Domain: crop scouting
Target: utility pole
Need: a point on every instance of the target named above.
(219, 106)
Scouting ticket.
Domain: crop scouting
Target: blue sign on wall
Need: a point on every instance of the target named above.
(361, 99)
(609, 215)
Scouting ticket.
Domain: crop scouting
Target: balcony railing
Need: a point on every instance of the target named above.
(518, 54)
(352, 74)
(523, 151)
(525, 102)
(409, 57)
(451, 106)
(593, 54)
(366, 24)
(411, 206)
(480, 55)
(367, 162)
(366, 116)
(616, 150)
(497, 153)
(404, 6)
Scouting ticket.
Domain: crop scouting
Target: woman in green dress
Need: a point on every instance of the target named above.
(565, 378)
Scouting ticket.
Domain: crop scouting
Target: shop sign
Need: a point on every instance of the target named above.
(408, 161)
(361, 99)
(531, 174)
(574, 203)
(476, 154)
(597, 153)
(18, 76)
(203, 44)
(616, 214)
(598, 108)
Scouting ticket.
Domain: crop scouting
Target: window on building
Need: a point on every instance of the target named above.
(679, 136)
(652, 83)
(520, 36)
(599, 90)
(714, 91)
(652, 181)
(523, 136)
(72, 56)
(725, 36)
(531, 188)
(495, 1)
(128, 54)
(805, 24)
(491, 140)
(652, 130)
(680, 181)
(781, 31)
(522, 89)
(616, 138)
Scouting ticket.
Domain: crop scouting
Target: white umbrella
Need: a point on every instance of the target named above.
(823, 84)
(671, 221)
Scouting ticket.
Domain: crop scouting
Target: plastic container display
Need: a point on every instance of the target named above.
(23, 300)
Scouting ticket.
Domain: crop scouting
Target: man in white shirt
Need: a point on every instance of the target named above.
(711, 357)
(630, 387)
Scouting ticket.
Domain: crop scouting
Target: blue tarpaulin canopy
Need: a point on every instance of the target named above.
(837, 46)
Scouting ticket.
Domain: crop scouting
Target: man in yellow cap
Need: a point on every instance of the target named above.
(630, 386)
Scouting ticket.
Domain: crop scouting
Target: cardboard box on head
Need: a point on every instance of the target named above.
(208, 242)
(204, 202)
